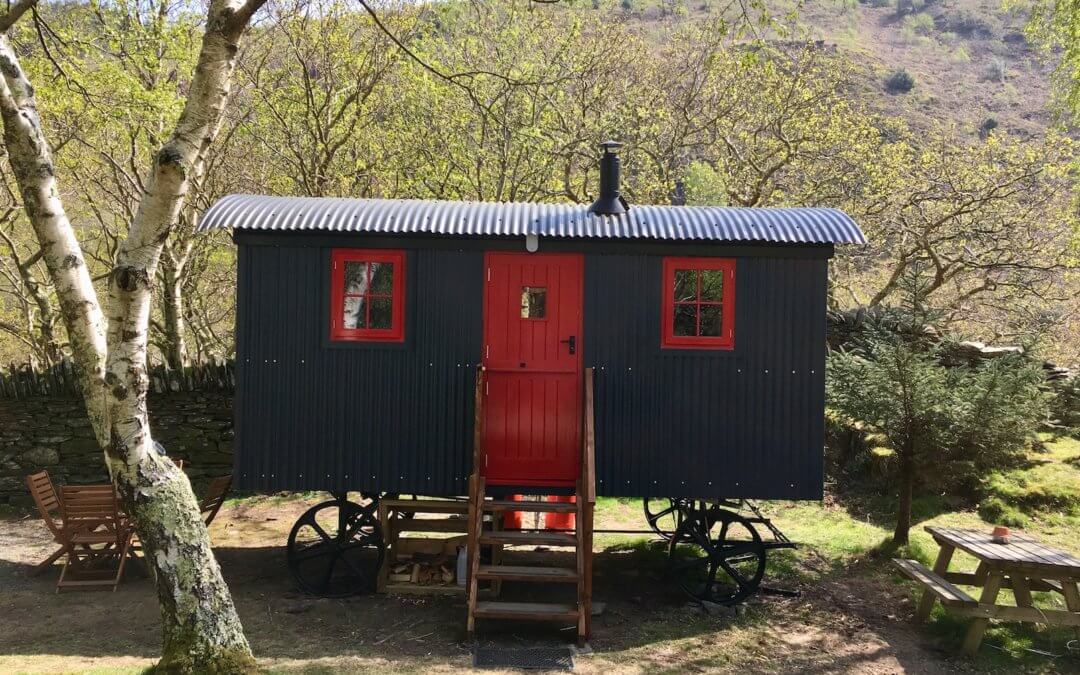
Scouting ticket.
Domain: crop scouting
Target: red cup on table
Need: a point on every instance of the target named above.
(1001, 534)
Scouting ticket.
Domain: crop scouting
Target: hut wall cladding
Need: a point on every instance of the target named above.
(314, 415)
(742, 423)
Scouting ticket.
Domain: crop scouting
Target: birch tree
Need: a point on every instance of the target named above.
(201, 629)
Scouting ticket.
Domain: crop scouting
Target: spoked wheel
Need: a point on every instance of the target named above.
(717, 556)
(336, 549)
(665, 514)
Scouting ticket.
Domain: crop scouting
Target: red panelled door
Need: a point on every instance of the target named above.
(532, 352)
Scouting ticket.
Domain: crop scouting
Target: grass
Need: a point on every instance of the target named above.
(855, 538)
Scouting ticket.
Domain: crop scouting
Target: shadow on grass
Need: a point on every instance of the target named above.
(880, 509)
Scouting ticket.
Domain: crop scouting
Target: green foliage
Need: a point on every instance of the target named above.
(1065, 407)
(949, 425)
(899, 81)
(964, 420)
(1053, 26)
(920, 24)
(705, 185)
(996, 510)
(1046, 482)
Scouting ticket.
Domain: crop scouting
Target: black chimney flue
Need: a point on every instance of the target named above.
(610, 202)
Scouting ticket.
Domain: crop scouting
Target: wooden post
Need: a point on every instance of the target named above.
(476, 511)
(384, 571)
(978, 626)
(941, 565)
(587, 497)
(1021, 590)
(1071, 591)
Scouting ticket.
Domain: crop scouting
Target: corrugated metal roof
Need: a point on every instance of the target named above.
(401, 216)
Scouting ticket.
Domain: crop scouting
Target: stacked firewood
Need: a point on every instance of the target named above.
(427, 573)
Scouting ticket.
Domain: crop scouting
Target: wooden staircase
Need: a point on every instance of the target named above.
(580, 540)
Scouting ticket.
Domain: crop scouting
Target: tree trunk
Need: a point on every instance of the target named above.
(201, 629)
(200, 623)
(31, 164)
(172, 313)
(907, 485)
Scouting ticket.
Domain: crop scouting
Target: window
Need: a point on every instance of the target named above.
(367, 293)
(533, 302)
(699, 303)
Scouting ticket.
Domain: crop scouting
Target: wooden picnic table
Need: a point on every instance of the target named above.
(1023, 565)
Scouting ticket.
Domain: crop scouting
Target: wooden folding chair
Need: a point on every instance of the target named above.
(48, 505)
(95, 535)
(214, 497)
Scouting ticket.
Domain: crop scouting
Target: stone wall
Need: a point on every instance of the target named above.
(45, 427)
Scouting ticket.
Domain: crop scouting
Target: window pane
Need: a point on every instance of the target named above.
(685, 285)
(712, 285)
(355, 277)
(685, 320)
(353, 313)
(712, 320)
(382, 315)
(533, 302)
(382, 278)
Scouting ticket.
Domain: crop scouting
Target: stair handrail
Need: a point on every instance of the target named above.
(588, 440)
(476, 497)
(478, 422)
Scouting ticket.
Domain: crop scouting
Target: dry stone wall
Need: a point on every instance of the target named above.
(43, 425)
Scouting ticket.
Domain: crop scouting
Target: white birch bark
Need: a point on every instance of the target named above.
(32, 165)
(201, 629)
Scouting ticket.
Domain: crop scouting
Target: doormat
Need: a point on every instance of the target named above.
(527, 658)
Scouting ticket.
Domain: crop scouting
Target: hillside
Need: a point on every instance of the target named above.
(971, 62)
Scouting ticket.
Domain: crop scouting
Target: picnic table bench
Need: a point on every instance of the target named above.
(1023, 565)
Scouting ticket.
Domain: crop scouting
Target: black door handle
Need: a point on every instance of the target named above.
(572, 341)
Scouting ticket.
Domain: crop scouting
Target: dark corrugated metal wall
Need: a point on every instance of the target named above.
(311, 415)
(742, 423)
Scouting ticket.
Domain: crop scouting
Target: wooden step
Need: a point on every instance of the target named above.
(531, 611)
(558, 575)
(426, 505)
(529, 506)
(526, 538)
(430, 525)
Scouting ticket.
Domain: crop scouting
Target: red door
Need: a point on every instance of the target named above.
(532, 352)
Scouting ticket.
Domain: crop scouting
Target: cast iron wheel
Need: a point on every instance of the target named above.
(336, 549)
(717, 556)
(665, 514)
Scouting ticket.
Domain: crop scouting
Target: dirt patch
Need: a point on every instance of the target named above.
(858, 623)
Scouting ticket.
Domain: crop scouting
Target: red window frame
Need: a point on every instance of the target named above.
(338, 332)
(668, 339)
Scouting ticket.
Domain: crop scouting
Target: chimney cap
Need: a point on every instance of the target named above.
(609, 202)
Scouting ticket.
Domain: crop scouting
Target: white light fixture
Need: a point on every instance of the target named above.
(532, 243)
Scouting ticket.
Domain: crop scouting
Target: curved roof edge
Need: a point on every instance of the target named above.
(795, 225)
